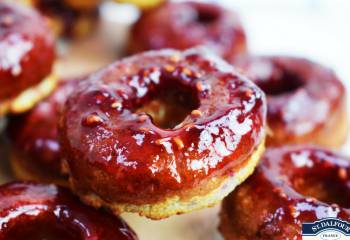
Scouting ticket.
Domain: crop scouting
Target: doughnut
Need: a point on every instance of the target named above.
(292, 185)
(42, 211)
(306, 101)
(183, 25)
(143, 4)
(70, 18)
(162, 133)
(35, 153)
(26, 58)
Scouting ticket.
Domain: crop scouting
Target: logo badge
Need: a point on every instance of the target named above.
(326, 229)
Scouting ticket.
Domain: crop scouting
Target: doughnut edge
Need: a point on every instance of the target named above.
(174, 205)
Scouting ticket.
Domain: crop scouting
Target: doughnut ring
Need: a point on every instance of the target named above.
(179, 130)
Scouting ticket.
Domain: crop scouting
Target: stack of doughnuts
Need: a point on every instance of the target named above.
(169, 130)
(32, 210)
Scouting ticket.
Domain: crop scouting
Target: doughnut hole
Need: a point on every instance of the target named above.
(280, 82)
(169, 104)
(206, 15)
(323, 182)
(39, 229)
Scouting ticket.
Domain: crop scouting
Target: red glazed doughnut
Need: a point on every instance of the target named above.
(70, 18)
(35, 153)
(39, 211)
(306, 101)
(162, 133)
(291, 185)
(183, 25)
(26, 58)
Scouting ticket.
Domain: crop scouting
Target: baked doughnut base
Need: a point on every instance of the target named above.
(29, 98)
(177, 205)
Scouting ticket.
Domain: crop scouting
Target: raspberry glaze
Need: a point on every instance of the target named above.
(34, 135)
(39, 211)
(26, 49)
(118, 152)
(183, 25)
(306, 101)
(291, 185)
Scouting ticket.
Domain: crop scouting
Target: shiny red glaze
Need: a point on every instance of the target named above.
(59, 9)
(302, 95)
(39, 211)
(26, 49)
(183, 25)
(292, 185)
(34, 134)
(123, 159)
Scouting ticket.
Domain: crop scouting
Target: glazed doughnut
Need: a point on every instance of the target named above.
(70, 18)
(26, 58)
(292, 185)
(35, 153)
(162, 133)
(40, 211)
(306, 101)
(204, 24)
